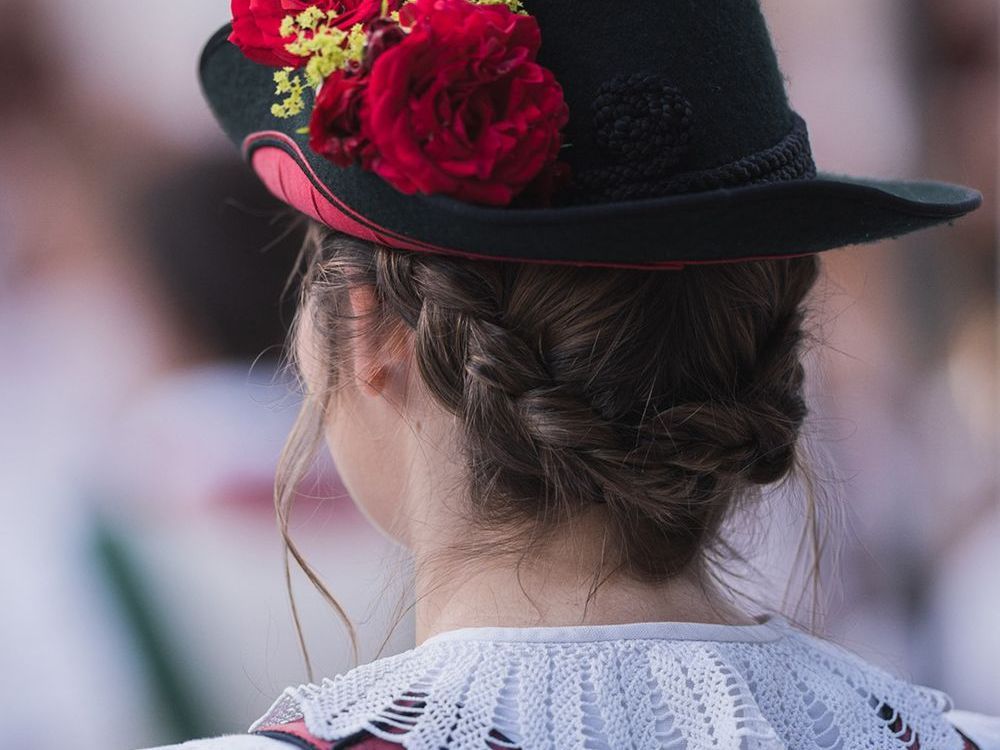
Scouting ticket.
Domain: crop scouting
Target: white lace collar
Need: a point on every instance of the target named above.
(662, 686)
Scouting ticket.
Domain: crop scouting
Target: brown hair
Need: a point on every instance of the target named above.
(666, 398)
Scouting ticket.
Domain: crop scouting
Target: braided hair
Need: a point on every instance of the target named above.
(664, 398)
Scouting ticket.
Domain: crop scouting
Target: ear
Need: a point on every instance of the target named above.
(374, 360)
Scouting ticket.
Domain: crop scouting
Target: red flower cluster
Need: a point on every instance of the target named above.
(449, 101)
(257, 25)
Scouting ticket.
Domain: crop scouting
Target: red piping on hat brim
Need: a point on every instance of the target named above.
(286, 172)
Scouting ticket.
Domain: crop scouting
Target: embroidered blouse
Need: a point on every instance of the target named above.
(650, 686)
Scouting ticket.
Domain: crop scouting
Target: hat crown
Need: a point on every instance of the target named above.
(669, 87)
(678, 113)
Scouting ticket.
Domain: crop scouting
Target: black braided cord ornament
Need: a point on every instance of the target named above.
(646, 125)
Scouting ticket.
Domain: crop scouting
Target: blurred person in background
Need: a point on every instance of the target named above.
(910, 351)
(955, 333)
(81, 328)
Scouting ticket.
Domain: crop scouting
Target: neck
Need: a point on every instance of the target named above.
(559, 584)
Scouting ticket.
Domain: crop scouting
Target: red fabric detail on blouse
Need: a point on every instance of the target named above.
(373, 743)
(912, 740)
(361, 741)
(297, 729)
(905, 733)
(969, 744)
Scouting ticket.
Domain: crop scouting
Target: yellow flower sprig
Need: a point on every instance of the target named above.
(318, 39)
(326, 48)
(290, 86)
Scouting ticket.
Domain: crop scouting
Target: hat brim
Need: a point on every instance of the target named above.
(780, 219)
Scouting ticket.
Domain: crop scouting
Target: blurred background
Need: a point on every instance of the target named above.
(143, 405)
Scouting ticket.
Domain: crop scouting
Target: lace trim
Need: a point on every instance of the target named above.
(461, 693)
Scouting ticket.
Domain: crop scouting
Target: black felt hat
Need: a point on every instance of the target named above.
(682, 145)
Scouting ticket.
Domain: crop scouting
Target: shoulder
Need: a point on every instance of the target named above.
(296, 734)
(230, 742)
(983, 730)
(282, 741)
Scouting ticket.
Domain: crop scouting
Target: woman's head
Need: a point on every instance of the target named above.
(653, 401)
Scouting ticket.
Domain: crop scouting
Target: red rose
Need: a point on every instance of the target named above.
(460, 107)
(335, 127)
(257, 24)
(382, 34)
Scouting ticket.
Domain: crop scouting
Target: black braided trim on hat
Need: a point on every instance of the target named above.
(791, 159)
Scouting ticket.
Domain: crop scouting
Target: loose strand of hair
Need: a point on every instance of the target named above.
(296, 460)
